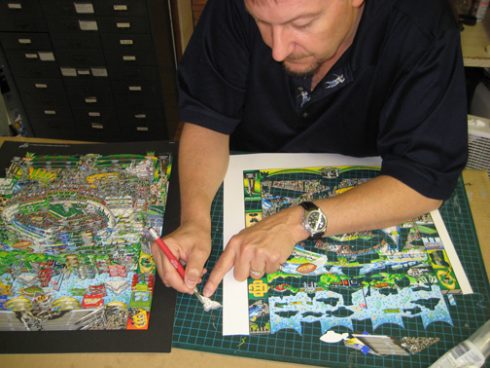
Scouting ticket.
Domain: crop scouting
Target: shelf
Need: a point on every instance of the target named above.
(475, 42)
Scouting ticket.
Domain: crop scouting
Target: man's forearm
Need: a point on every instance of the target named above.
(379, 203)
(203, 160)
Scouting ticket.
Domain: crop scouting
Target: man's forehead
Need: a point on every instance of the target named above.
(285, 3)
(283, 11)
(262, 1)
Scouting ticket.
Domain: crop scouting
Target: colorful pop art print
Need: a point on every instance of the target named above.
(73, 250)
(383, 276)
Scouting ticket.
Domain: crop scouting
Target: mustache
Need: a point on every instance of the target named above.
(295, 57)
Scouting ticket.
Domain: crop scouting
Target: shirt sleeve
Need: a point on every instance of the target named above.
(423, 133)
(213, 73)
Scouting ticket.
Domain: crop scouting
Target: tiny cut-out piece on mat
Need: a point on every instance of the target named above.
(332, 337)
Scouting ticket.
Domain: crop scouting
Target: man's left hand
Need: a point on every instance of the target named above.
(260, 248)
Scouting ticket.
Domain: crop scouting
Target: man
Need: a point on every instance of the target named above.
(356, 77)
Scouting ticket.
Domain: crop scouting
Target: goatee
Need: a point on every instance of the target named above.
(308, 72)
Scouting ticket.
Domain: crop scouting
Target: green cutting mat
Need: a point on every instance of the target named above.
(198, 330)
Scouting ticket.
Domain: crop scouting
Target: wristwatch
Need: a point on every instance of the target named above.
(315, 221)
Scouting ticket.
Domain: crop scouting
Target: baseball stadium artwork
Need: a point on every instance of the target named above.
(72, 251)
(385, 275)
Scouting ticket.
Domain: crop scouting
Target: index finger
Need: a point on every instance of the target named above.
(224, 264)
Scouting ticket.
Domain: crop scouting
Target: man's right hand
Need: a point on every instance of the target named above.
(203, 159)
(191, 245)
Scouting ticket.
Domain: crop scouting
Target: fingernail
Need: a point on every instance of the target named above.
(207, 292)
(191, 279)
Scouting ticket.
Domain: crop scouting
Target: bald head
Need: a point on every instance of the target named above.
(304, 35)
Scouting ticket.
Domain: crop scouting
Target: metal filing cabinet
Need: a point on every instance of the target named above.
(92, 69)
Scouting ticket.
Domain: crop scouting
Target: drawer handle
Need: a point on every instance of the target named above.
(142, 129)
(84, 8)
(135, 88)
(46, 56)
(49, 112)
(97, 126)
(94, 114)
(129, 58)
(91, 99)
(24, 41)
(126, 42)
(83, 71)
(14, 6)
(120, 7)
(30, 55)
(40, 85)
(140, 116)
(123, 25)
(88, 25)
(99, 72)
(68, 72)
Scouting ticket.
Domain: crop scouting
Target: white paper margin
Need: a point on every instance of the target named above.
(235, 294)
(458, 269)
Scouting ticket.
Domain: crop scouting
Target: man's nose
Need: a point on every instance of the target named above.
(280, 44)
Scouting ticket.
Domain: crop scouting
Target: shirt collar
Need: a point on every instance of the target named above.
(338, 77)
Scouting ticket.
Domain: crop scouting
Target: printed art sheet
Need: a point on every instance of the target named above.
(383, 276)
(73, 250)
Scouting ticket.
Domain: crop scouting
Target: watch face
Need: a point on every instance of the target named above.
(316, 221)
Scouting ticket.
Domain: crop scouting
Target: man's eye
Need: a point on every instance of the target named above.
(302, 25)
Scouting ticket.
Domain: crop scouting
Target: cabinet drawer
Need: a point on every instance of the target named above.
(95, 119)
(32, 64)
(89, 94)
(136, 94)
(124, 25)
(25, 41)
(122, 58)
(96, 124)
(121, 8)
(15, 8)
(144, 131)
(51, 126)
(79, 40)
(80, 57)
(128, 49)
(60, 8)
(130, 72)
(22, 23)
(53, 129)
(135, 87)
(42, 92)
(98, 135)
(51, 113)
(137, 101)
(140, 116)
(126, 42)
(94, 7)
(41, 126)
(73, 25)
(21, 15)
(67, 8)
(84, 72)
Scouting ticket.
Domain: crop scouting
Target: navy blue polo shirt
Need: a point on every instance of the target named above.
(397, 92)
